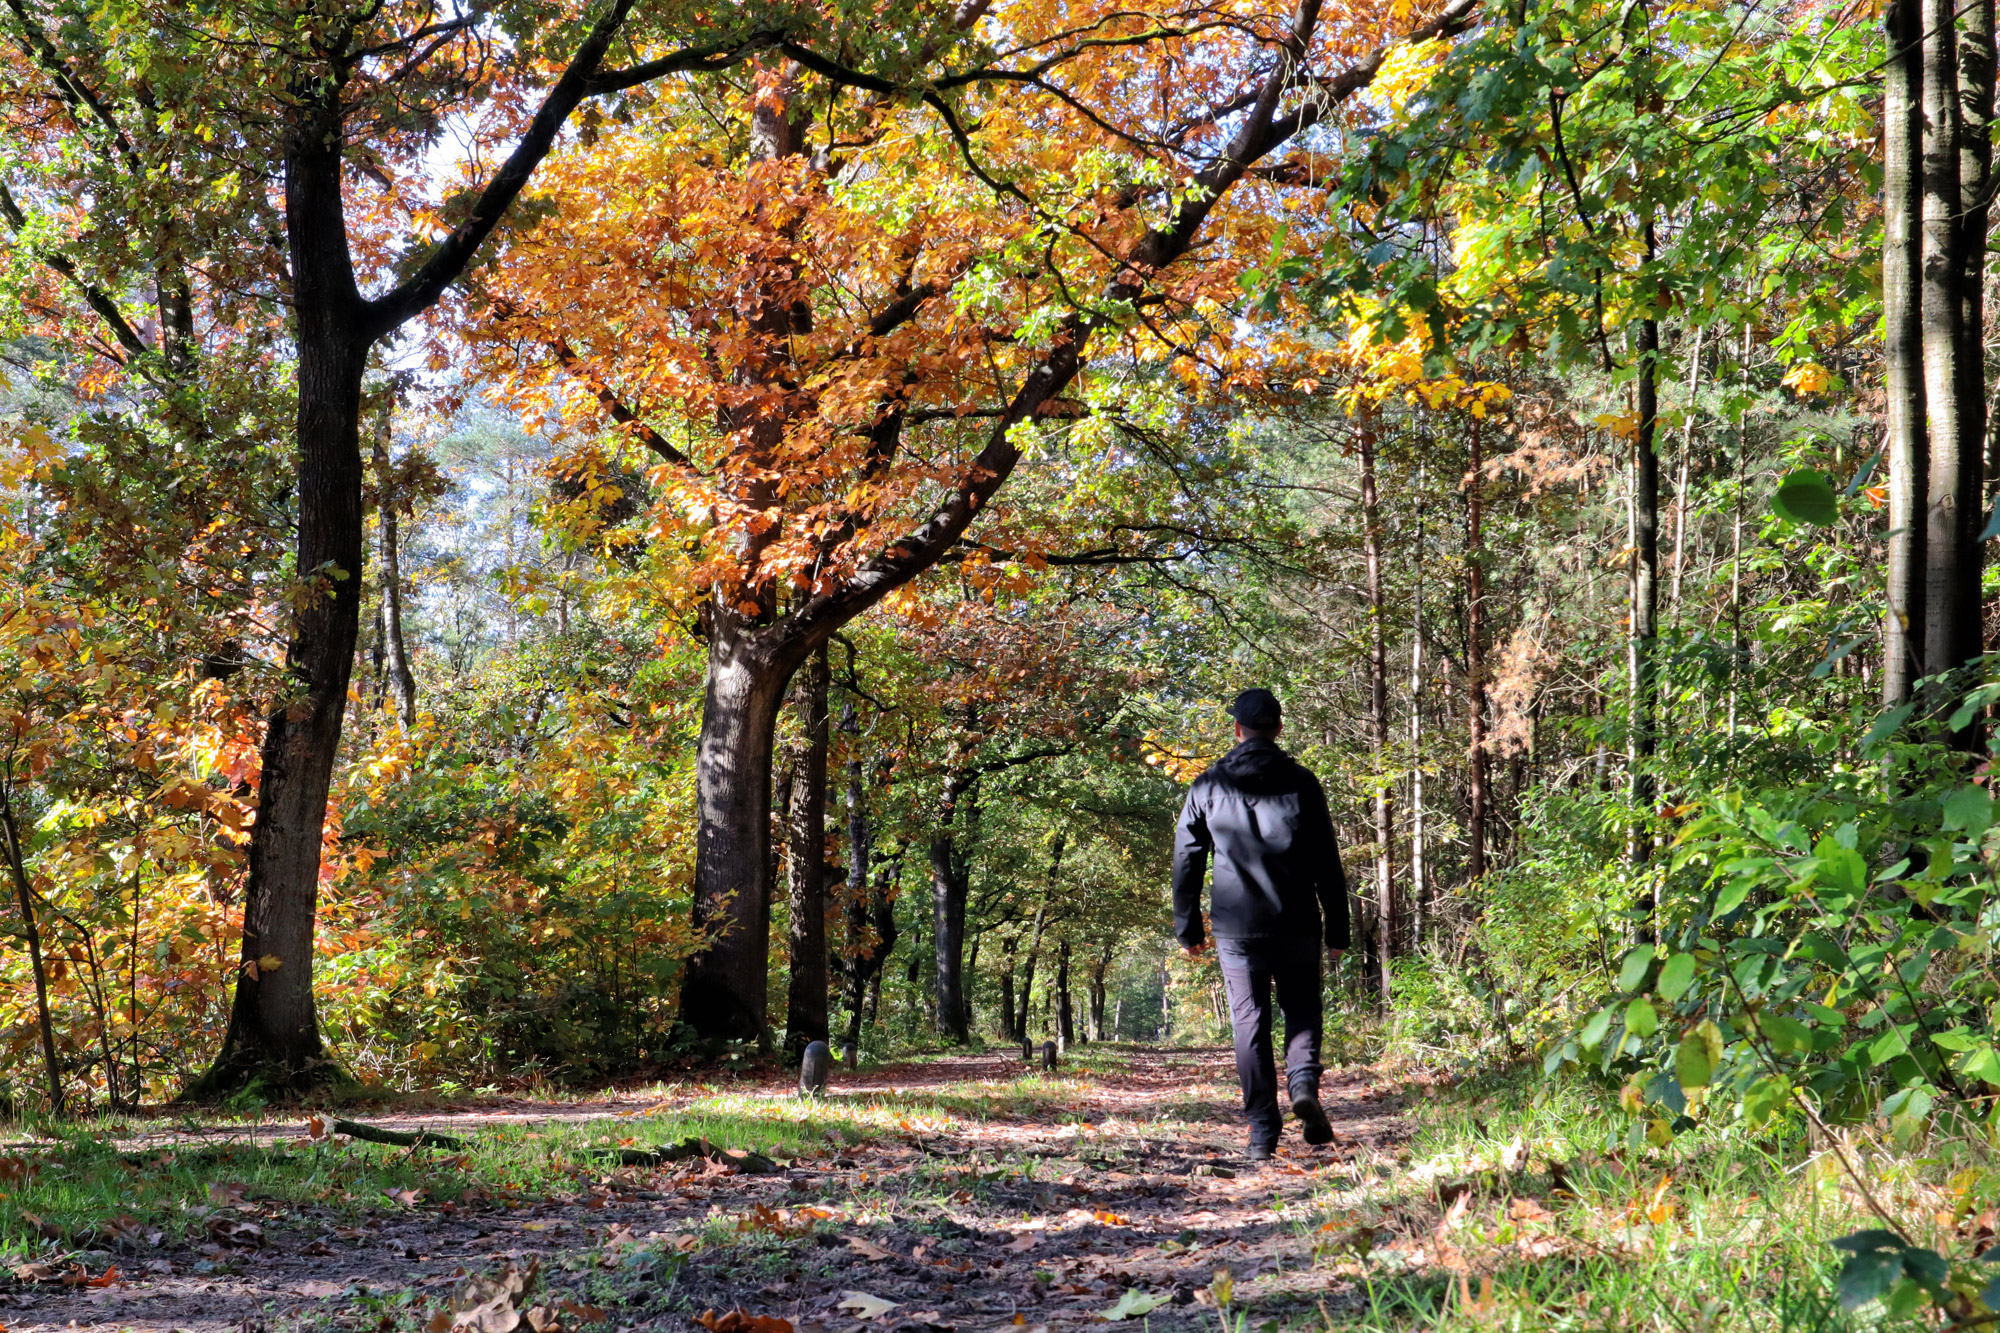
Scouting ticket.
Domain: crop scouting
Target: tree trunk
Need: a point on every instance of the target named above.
(1951, 521)
(395, 649)
(1065, 1024)
(805, 1003)
(1642, 679)
(273, 1035)
(724, 993)
(1378, 721)
(1907, 454)
(971, 979)
(950, 883)
(1681, 481)
(1475, 661)
(1020, 1032)
(1418, 863)
(24, 895)
(1975, 159)
(1007, 948)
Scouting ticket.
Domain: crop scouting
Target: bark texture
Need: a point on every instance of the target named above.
(805, 1002)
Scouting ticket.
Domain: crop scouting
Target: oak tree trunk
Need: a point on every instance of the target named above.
(724, 992)
(951, 876)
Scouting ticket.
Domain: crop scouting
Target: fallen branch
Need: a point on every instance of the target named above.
(398, 1138)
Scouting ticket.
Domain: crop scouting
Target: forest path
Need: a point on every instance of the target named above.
(962, 1193)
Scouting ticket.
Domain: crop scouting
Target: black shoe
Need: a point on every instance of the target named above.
(1312, 1119)
(1260, 1152)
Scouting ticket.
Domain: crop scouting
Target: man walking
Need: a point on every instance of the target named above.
(1277, 881)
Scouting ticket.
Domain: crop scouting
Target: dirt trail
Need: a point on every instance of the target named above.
(1132, 1181)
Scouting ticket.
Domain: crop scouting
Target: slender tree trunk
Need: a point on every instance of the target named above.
(1007, 948)
(1681, 481)
(1951, 524)
(971, 982)
(1065, 1024)
(1378, 718)
(1418, 864)
(1643, 682)
(24, 897)
(1475, 661)
(724, 992)
(1021, 1010)
(950, 884)
(1907, 452)
(805, 1003)
(1099, 970)
(395, 650)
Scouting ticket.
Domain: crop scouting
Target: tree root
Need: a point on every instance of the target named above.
(397, 1138)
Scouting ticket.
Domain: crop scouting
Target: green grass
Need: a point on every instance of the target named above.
(1722, 1228)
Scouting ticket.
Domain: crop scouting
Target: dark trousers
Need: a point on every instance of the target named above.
(1250, 969)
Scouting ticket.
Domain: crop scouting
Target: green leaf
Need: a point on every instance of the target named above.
(1888, 725)
(1765, 1098)
(1969, 809)
(1868, 1276)
(1593, 1031)
(1691, 1063)
(1675, 977)
(1633, 974)
(1806, 496)
(1787, 1036)
(1640, 1018)
(1732, 895)
(1136, 1302)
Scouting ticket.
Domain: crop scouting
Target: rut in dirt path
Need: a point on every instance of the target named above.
(1062, 1201)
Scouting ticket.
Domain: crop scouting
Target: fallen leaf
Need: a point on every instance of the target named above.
(230, 1231)
(316, 1131)
(18, 1170)
(318, 1290)
(1529, 1210)
(408, 1198)
(867, 1250)
(1023, 1243)
(1111, 1219)
(742, 1321)
(1136, 1302)
(226, 1196)
(864, 1306)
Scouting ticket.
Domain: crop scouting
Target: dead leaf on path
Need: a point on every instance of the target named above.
(742, 1321)
(129, 1230)
(408, 1198)
(618, 1235)
(318, 1290)
(77, 1276)
(36, 1272)
(316, 1131)
(317, 1249)
(225, 1195)
(492, 1304)
(687, 1243)
(1111, 1219)
(1456, 1213)
(18, 1171)
(46, 1230)
(1529, 1210)
(1023, 1243)
(229, 1231)
(864, 1306)
(868, 1250)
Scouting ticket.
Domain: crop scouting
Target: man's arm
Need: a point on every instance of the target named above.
(1191, 847)
(1332, 878)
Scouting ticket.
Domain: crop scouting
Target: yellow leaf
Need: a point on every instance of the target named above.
(270, 962)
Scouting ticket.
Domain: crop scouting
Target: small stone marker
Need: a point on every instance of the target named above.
(850, 1055)
(813, 1070)
(1048, 1057)
(1028, 1050)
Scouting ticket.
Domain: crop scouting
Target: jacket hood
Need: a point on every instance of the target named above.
(1258, 766)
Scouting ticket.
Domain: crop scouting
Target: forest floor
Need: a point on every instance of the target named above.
(961, 1193)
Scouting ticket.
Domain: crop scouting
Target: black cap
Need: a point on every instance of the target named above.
(1257, 710)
